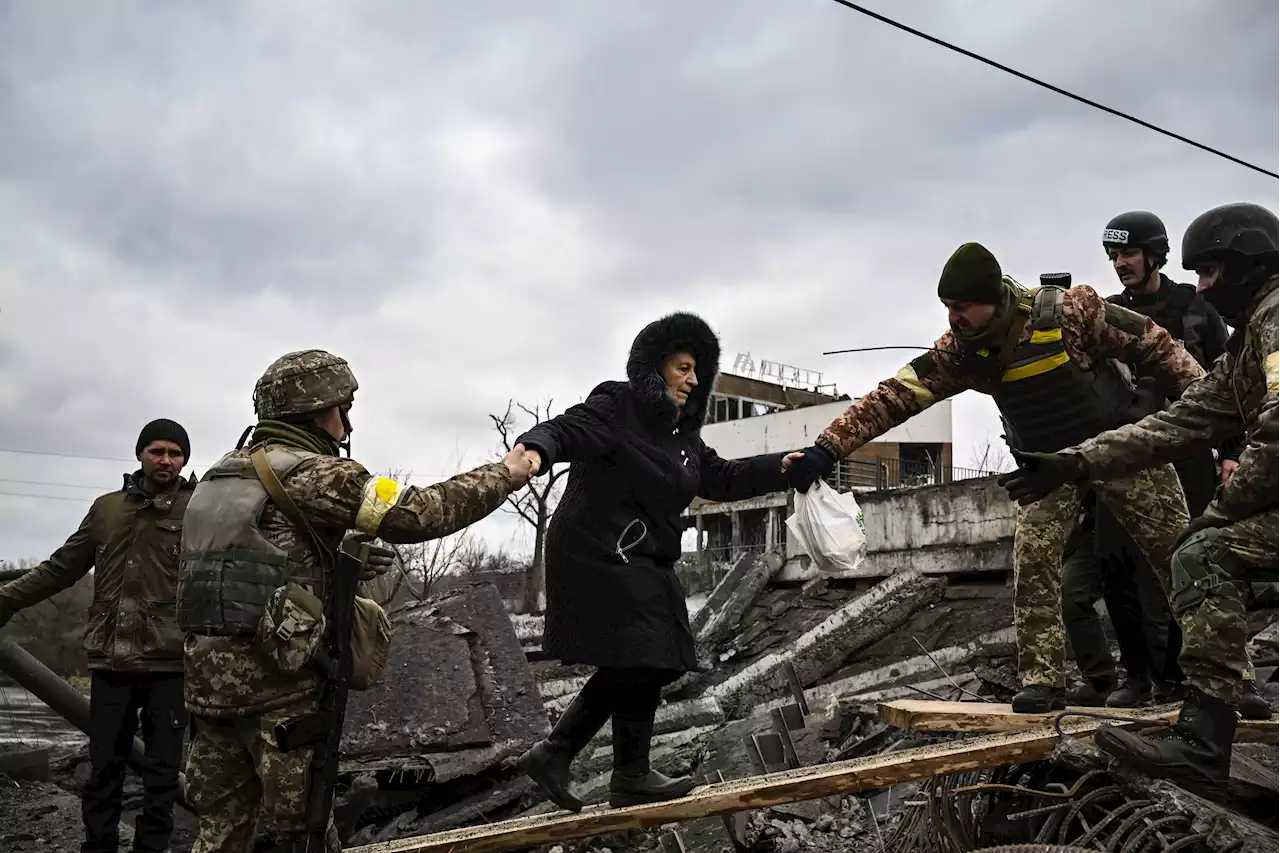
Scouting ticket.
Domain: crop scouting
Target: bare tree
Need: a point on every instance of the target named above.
(992, 457)
(534, 504)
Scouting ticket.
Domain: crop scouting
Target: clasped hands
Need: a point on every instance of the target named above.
(523, 463)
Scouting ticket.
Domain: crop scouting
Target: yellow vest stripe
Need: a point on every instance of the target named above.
(1046, 336)
(1035, 368)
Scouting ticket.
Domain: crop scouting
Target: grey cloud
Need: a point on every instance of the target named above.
(479, 201)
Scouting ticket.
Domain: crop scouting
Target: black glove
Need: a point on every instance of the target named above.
(380, 559)
(1197, 524)
(816, 464)
(1039, 474)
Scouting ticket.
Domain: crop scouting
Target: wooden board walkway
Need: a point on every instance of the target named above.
(985, 717)
(806, 783)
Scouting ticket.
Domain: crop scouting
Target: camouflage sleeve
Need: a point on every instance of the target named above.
(1252, 487)
(1205, 414)
(924, 381)
(1113, 331)
(64, 567)
(340, 493)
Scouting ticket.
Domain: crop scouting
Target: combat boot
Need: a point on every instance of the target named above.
(1253, 705)
(1194, 752)
(634, 782)
(1039, 699)
(1093, 693)
(547, 761)
(1132, 693)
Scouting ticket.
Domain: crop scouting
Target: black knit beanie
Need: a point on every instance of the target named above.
(163, 429)
(972, 274)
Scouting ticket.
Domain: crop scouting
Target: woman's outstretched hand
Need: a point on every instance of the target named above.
(789, 458)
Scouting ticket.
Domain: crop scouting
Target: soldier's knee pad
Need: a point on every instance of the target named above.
(1200, 567)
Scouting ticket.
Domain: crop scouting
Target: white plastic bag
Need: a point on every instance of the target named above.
(825, 524)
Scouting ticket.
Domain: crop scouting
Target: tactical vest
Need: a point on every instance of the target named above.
(1169, 312)
(1047, 400)
(228, 569)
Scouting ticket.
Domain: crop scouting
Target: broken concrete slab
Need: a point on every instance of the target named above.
(457, 678)
(824, 648)
(528, 627)
(562, 686)
(915, 670)
(733, 595)
(691, 740)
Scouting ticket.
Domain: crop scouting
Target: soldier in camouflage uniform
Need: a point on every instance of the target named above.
(1044, 356)
(1233, 249)
(242, 543)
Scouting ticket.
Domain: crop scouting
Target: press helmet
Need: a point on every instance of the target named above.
(1139, 228)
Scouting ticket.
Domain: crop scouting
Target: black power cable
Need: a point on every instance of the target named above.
(1052, 88)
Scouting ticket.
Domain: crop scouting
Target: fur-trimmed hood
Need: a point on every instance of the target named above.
(672, 333)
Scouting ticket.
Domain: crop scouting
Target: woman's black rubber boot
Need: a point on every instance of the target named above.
(547, 762)
(633, 782)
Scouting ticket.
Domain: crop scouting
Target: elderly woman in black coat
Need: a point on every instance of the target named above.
(613, 598)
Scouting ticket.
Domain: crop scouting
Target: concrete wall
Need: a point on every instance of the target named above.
(799, 427)
(963, 526)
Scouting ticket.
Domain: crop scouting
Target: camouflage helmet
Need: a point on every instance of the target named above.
(303, 382)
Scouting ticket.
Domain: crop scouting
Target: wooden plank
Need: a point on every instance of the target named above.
(791, 786)
(931, 716)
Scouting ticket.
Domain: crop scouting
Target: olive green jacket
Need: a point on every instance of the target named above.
(131, 540)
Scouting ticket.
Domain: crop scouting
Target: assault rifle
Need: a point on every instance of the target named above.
(323, 729)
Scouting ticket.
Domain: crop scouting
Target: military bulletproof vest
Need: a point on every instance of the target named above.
(1168, 311)
(228, 569)
(1048, 401)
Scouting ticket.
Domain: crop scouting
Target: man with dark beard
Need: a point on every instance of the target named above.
(1233, 250)
(1045, 357)
(130, 538)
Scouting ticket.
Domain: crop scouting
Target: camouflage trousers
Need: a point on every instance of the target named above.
(235, 774)
(1151, 507)
(1212, 575)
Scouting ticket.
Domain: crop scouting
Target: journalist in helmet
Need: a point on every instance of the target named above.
(1233, 250)
(259, 551)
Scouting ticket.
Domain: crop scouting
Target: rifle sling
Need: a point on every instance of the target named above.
(270, 482)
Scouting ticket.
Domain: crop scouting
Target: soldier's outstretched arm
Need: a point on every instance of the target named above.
(1115, 331)
(925, 380)
(1204, 415)
(341, 493)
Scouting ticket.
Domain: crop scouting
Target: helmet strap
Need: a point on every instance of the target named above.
(346, 426)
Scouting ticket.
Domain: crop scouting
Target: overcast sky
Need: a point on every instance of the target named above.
(477, 201)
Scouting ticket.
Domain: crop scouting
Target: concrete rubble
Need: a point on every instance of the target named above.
(793, 675)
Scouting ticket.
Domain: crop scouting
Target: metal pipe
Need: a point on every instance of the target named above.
(69, 703)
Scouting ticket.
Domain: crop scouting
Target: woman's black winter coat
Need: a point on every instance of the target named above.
(638, 460)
